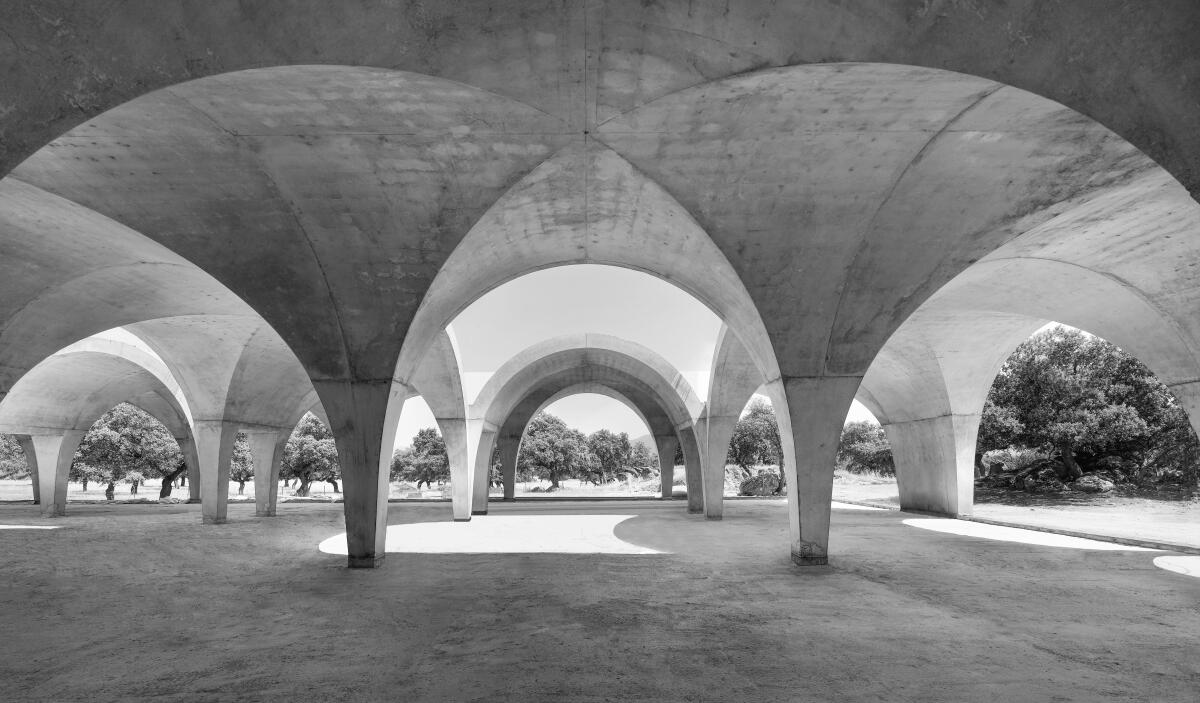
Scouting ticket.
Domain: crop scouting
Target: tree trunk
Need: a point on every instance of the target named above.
(133, 486)
(302, 491)
(334, 483)
(169, 481)
(84, 482)
(1068, 458)
(554, 482)
(241, 488)
(980, 469)
(110, 492)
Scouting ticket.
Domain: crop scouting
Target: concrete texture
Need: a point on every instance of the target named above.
(820, 174)
(260, 614)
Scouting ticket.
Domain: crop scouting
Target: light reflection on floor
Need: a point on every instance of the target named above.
(981, 530)
(29, 527)
(506, 534)
(1188, 566)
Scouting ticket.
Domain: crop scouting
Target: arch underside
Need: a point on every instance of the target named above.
(347, 213)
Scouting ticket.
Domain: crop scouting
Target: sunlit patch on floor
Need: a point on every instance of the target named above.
(29, 527)
(1188, 566)
(981, 530)
(507, 534)
(852, 506)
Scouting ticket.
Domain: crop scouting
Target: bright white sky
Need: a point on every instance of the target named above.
(578, 299)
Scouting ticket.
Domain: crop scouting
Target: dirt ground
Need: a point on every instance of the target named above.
(131, 602)
(1168, 519)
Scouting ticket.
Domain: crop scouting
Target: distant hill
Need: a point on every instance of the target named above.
(646, 441)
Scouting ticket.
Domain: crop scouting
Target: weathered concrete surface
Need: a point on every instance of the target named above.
(1130, 67)
(357, 206)
(878, 624)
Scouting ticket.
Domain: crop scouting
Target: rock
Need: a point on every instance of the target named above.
(1093, 484)
(763, 484)
(1030, 484)
(1047, 475)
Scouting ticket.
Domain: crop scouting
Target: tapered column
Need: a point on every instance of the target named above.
(53, 453)
(509, 448)
(816, 407)
(214, 450)
(483, 480)
(363, 417)
(935, 463)
(666, 446)
(718, 431)
(692, 469)
(456, 434)
(187, 446)
(26, 443)
(266, 451)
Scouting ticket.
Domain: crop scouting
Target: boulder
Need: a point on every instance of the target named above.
(763, 484)
(1092, 483)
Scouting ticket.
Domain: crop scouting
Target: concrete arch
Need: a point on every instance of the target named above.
(733, 380)
(838, 261)
(587, 205)
(58, 401)
(544, 369)
(536, 54)
(508, 439)
(929, 382)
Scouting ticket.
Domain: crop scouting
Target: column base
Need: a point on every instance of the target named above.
(479, 512)
(713, 517)
(264, 513)
(806, 554)
(694, 511)
(462, 519)
(53, 511)
(213, 520)
(368, 562)
(192, 500)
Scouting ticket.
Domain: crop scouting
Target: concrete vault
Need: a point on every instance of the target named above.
(877, 199)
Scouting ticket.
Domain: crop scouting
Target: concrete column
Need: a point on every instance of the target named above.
(54, 453)
(266, 451)
(666, 446)
(692, 459)
(363, 417)
(816, 408)
(718, 431)
(935, 463)
(480, 485)
(26, 443)
(457, 435)
(214, 449)
(187, 446)
(509, 448)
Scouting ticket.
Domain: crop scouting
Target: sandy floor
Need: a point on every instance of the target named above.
(141, 601)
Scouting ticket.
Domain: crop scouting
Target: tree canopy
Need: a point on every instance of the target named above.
(126, 443)
(755, 438)
(310, 455)
(552, 451)
(1078, 396)
(426, 462)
